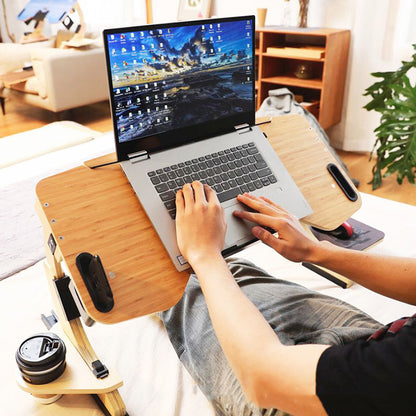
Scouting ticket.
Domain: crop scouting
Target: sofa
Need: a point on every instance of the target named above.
(63, 78)
(14, 56)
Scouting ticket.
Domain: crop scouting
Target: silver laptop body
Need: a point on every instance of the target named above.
(161, 73)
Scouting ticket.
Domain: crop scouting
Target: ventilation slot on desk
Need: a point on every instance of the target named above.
(342, 182)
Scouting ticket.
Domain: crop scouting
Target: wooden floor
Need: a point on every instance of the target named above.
(360, 167)
(21, 117)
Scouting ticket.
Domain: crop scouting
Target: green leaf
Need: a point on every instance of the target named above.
(376, 181)
(394, 97)
(395, 166)
(385, 75)
(387, 161)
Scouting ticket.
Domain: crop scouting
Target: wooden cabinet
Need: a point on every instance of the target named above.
(311, 62)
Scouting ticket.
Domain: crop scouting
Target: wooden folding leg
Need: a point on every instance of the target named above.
(106, 387)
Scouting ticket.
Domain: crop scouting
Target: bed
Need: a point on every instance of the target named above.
(155, 383)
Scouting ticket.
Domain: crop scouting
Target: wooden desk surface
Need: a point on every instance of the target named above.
(96, 210)
(306, 157)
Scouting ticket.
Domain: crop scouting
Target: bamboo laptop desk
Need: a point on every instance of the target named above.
(96, 211)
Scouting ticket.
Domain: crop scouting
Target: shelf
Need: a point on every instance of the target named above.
(282, 52)
(315, 83)
(305, 31)
(297, 51)
(298, 58)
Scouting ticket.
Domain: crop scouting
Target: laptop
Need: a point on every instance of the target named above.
(183, 108)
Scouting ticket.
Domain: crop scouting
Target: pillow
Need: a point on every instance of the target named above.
(39, 70)
(37, 142)
(30, 86)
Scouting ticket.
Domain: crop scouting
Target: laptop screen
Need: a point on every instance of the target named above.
(173, 82)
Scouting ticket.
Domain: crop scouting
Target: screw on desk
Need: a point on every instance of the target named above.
(45, 204)
(61, 237)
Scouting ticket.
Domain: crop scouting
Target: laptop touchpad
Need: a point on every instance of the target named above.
(238, 230)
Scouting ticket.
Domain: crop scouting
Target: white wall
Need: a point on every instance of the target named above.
(382, 33)
(13, 8)
(98, 15)
(377, 45)
(380, 40)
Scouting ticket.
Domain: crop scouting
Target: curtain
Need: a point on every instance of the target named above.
(102, 14)
(382, 33)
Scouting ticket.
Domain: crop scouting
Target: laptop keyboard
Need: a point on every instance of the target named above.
(229, 172)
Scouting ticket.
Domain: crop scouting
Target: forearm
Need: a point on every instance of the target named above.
(239, 326)
(390, 276)
(271, 374)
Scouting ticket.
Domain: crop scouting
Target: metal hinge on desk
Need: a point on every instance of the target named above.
(51, 244)
(138, 156)
(242, 128)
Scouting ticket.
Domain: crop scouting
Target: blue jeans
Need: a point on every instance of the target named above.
(296, 314)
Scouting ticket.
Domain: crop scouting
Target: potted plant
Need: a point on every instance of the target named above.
(394, 97)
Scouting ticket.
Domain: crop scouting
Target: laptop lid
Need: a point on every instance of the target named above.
(175, 83)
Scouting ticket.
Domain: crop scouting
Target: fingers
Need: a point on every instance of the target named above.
(259, 218)
(188, 194)
(199, 192)
(195, 193)
(180, 203)
(267, 238)
(210, 194)
(277, 206)
(261, 204)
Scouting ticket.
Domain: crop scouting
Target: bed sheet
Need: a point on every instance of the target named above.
(21, 240)
(155, 383)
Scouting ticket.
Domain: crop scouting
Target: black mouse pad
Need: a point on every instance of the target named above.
(364, 236)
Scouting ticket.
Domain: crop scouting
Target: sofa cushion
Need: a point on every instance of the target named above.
(39, 70)
(30, 86)
(14, 56)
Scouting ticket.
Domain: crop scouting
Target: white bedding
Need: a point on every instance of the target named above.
(37, 142)
(21, 240)
(155, 383)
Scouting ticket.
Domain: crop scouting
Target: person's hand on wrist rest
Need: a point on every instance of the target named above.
(291, 242)
(200, 222)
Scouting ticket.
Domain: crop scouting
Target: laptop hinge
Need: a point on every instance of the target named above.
(138, 156)
(242, 128)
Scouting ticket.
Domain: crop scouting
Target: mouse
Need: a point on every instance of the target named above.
(343, 232)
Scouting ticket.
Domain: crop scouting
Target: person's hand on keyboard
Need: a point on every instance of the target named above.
(200, 222)
(291, 242)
